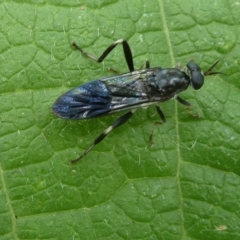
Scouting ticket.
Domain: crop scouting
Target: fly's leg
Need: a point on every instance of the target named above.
(188, 105)
(152, 132)
(147, 64)
(121, 120)
(114, 71)
(126, 50)
(182, 101)
(160, 113)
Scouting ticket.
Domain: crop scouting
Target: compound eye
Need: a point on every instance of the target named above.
(196, 75)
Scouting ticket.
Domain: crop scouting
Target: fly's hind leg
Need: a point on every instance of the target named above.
(120, 121)
(126, 50)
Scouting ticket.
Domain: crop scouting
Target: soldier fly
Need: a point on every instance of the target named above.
(128, 91)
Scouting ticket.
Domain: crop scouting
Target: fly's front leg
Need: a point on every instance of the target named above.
(161, 114)
(126, 50)
(182, 101)
(188, 105)
(121, 120)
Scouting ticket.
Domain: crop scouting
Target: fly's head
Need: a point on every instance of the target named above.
(196, 75)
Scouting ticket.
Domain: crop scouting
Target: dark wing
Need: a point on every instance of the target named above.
(103, 96)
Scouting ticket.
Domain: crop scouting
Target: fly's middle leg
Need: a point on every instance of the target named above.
(160, 113)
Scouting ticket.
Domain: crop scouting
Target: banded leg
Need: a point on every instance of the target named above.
(120, 121)
(126, 50)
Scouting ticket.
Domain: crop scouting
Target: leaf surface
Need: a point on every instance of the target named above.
(183, 186)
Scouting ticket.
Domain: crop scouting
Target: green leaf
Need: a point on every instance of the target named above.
(183, 186)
